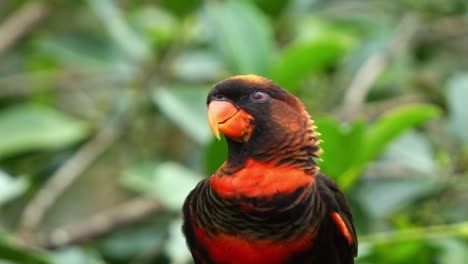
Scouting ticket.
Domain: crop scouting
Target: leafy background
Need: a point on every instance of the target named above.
(103, 130)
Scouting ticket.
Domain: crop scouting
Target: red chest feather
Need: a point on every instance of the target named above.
(257, 179)
(226, 249)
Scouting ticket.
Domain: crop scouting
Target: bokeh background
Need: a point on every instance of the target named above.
(103, 129)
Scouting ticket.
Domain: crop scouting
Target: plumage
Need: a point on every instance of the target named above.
(269, 202)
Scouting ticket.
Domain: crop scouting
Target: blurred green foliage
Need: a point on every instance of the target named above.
(103, 102)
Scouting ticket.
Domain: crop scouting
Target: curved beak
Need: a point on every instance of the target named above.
(218, 113)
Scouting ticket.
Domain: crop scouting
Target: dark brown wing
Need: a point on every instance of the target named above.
(198, 252)
(342, 226)
(335, 241)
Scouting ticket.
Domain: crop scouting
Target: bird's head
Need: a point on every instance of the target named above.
(261, 120)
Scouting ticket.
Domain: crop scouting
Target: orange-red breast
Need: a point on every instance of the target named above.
(269, 202)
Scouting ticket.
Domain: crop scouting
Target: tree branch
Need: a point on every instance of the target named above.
(418, 233)
(20, 23)
(375, 64)
(63, 177)
(102, 223)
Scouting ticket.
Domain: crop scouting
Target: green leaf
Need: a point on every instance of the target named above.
(180, 7)
(406, 252)
(75, 255)
(139, 177)
(348, 149)
(169, 181)
(453, 250)
(11, 251)
(176, 246)
(197, 66)
(412, 151)
(382, 197)
(157, 24)
(215, 154)
(10, 187)
(186, 107)
(79, 51)
(272, 7)
(126, 244)
(392, 124)
(458, 107)
(133, 44)
(30, 127)
(301, 59)
(340, 144)
(241, 35)
(381, 133)
(172, 183)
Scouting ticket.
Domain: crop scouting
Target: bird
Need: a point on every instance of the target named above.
(269, 202)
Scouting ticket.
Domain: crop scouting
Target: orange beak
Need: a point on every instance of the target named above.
(219, 112)
(226, 118)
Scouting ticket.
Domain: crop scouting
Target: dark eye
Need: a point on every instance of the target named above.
(259, 97)
(219, 97)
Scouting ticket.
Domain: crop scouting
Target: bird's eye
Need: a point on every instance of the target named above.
(259, 97)
(219, 97)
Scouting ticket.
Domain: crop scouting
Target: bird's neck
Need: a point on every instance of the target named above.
(295, 149)
(280, 162)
